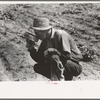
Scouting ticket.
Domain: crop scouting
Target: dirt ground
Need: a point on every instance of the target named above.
(82, 21)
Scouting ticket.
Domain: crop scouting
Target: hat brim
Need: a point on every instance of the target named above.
(42, 28)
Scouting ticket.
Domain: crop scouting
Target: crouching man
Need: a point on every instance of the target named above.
(57, 56)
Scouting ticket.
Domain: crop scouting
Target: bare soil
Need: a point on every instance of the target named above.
(82, 21)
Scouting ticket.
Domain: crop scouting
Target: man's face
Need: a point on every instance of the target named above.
(41, 34)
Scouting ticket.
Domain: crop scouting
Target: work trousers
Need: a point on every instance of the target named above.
(71, 68)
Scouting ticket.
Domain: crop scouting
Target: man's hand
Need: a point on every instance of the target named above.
(31, 37)
(49, 52)
(32, 45)
(57, 67)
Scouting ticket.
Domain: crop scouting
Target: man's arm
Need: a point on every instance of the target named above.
(74, 49)
(33, 54)
(69, 46)
(32, 48)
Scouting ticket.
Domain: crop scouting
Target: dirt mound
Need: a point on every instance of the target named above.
(15, 61)
(79, 20)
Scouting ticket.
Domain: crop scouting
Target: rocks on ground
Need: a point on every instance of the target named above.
(79, 20)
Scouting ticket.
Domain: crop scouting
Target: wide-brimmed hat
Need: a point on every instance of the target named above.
(41, 24)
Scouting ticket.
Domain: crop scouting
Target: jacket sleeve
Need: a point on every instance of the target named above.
(33, 54)
(69, 46)
(75, 52)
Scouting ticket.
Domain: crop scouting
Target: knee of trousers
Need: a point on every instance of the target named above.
(35, 67)
(73, 68)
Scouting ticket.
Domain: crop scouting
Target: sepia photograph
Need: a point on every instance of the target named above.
(50, 42)
(50, 50)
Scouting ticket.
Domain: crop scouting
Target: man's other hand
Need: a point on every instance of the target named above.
(50, 52)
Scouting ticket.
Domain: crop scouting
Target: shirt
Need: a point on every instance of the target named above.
(60, 40)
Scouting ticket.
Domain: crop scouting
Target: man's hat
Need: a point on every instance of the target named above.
(41, 24)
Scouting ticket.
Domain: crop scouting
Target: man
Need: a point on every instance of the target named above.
(57, 56)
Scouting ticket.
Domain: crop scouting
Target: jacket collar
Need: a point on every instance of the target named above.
(52, 32)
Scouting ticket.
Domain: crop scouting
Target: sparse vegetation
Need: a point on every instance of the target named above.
(82, 21)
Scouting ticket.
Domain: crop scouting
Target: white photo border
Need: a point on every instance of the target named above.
(50, 90)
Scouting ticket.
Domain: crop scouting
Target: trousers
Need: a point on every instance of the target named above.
(70, 68)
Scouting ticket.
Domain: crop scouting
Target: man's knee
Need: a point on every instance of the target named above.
(36, 67)
(73, 68)
(39, 67)
(79, 70)
(42, 69)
